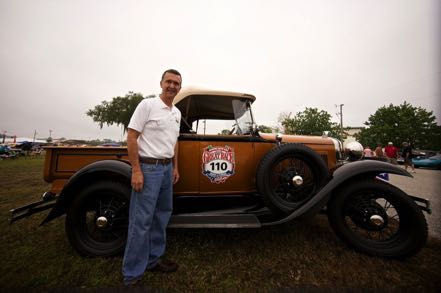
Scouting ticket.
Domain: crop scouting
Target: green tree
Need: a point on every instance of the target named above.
(225, 132)
(260, 128)
(265, 129)
(311, 121)
(118, 111)
(402, 123)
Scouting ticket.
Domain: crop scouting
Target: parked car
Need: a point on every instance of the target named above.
(236, 177)
(7, 153)
(430, 162)
(416, 154)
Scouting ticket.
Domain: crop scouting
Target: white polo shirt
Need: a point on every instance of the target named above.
(158, 126)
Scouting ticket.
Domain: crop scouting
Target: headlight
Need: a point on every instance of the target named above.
(354, 151)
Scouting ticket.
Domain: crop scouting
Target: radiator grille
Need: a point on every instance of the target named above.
(325, 158)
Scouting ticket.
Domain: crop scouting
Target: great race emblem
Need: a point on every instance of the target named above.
(218, 163)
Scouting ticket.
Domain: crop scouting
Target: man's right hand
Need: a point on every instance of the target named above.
(132, 150)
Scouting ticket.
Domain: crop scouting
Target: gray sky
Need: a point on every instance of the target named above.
(60, 58)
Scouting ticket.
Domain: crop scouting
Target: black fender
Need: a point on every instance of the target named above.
(106, 169)
(345, 173)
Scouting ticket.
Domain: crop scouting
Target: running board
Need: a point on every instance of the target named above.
(214, 221)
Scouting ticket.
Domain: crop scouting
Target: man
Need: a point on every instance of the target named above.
(391, 152)
(407, 155)
(153, 153)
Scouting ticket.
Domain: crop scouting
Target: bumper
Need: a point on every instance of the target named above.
(424, 204)
(46, 203)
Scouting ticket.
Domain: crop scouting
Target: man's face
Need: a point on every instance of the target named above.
(170, 84)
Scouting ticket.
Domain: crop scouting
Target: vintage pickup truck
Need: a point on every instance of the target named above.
(236, 178)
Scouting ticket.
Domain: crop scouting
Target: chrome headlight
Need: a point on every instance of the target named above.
(354, 151)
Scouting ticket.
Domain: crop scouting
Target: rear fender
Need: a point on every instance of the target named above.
(346, 173)
(106, 169)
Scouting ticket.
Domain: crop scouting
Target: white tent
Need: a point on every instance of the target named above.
(20, 140)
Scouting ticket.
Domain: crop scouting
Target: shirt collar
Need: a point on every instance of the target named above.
(163, 105)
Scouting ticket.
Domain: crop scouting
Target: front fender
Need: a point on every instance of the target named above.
(349, 171)
(369, 166)
(106, 169)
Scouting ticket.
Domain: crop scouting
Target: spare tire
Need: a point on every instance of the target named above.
(289, 175)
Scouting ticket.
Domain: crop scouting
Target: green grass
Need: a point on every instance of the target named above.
(296, 255)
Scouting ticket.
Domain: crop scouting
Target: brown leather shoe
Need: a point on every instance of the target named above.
(165, 266)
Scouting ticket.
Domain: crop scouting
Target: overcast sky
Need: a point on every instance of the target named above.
(60, 58)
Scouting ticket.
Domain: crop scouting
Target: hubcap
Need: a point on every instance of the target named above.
(297, 180)
(101, 222)
(377, 220)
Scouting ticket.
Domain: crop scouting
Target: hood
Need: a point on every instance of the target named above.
(305, 139)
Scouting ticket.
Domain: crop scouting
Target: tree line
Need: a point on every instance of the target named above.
(393, 123)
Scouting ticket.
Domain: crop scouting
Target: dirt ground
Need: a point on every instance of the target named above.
(426, 184)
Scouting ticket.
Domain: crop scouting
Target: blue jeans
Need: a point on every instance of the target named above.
(149, 213)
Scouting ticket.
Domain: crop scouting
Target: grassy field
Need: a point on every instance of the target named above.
(299, 255)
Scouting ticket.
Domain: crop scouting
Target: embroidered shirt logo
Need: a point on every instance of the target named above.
(218, 163)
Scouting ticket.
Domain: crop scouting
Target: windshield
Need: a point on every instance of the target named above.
(233, 117)
(243, 117)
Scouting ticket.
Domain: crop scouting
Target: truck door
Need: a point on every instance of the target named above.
(226, 164)
(189, 161)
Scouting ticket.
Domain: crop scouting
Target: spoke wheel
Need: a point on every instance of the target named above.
(292, 180)
(378, 219)
(97, 220)
(290, 175)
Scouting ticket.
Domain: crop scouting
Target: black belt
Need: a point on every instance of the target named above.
(154, 161)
